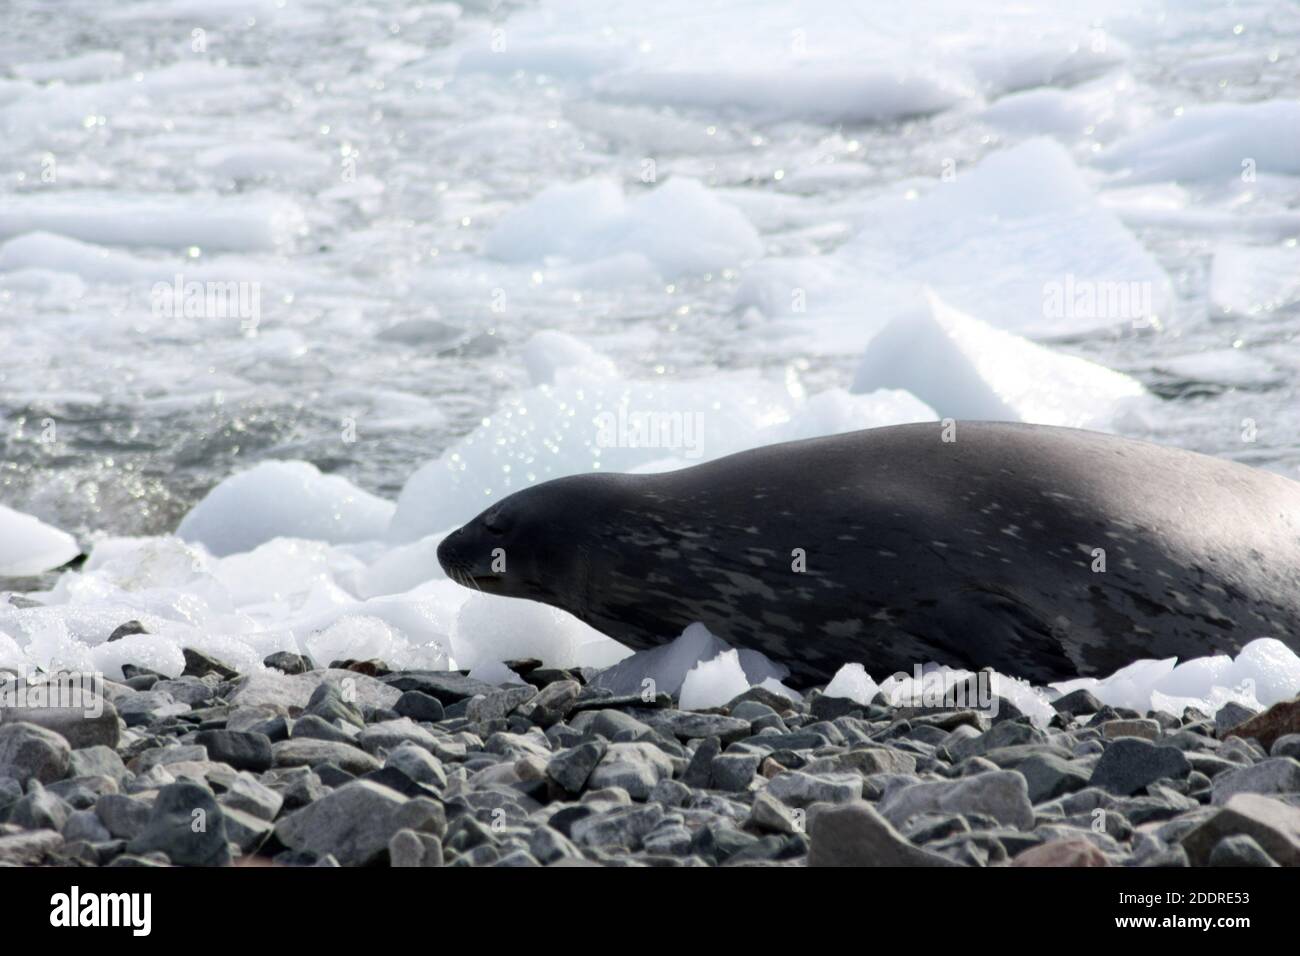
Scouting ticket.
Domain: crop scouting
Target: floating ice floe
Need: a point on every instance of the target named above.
(1099, 110)
(679, 227)
(245, 223)
(56, 253)
(1219, 141)
(92, 65)
(126, 102)
(1249, 280)
(620, 56)
(283, 499)
(243, 161)
(30, 546)
(549, 351)
(818, 61)
(1231, 367)
(1019, 240)
(964, 368)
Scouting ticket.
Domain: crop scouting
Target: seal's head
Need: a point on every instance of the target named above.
(532, 544)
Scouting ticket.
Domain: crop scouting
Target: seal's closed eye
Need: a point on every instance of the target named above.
(496, 521)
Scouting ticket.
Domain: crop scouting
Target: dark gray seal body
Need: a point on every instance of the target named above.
(977, 552)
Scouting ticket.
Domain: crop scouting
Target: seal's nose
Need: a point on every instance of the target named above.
(449, 550)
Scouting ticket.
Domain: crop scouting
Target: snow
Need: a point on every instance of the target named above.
(966, 369)
(30, 546)
(283, 499)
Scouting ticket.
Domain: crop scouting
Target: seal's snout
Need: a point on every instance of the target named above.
(466, 557)
(455, 554)
(447, 550)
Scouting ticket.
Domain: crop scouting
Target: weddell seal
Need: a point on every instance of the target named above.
(1045, 553)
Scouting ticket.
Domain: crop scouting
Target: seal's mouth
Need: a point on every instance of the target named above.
(462, 568)
(454, 562)
(468, 579)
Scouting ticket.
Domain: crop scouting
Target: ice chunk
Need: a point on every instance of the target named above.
(835, 411)
(852, 681)
(662, 670)
(1020, 239)
(679, 227)
(243, 161)
(1265, 672)
(157, 652)
(965, 369)
(561, 220)
(93, 65)
(282, 569)
(12, 657)
(585, 424)
(45, 250)
(1248, 280)
(842, 94)
(1272, 668)
(1218, 141)
(713, 683)
(495, 672)
(1130, 686)
(401, 568)
(1102, 109)
(210, 223)
(283, 499)
(492, 628)
(30, 546)
(1230, 366)
(1032, 701)
(549, 350)
(785, 63)
(354, 637)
